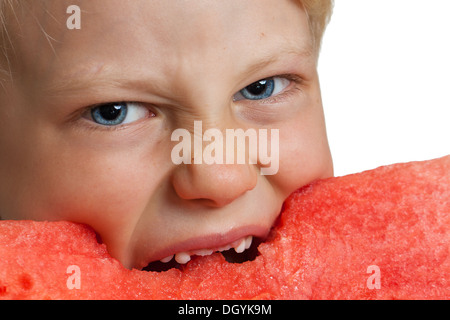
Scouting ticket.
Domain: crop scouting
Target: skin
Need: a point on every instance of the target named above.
(183, 62)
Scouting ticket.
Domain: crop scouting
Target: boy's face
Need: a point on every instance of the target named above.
(64, 156)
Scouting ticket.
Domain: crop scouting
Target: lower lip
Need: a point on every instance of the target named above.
(209, 241)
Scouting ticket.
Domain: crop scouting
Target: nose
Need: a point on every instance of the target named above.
(215, 184)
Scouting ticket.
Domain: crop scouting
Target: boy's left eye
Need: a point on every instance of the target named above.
(117, 113)
(262, 89)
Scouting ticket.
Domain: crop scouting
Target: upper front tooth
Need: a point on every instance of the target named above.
(248, 242)
(224, 248)
(240, 246)
(166, 259)
(203, 252)
(182, 257)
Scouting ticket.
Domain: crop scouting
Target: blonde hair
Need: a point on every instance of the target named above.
(319, 14)
(318, 11)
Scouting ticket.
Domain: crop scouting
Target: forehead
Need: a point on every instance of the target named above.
(164, 35)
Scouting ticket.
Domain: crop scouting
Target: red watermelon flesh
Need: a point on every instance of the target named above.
(380, 234)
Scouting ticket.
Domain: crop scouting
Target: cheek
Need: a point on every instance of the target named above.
(304, 153)
(102, 185)
(106, 189)
(108, 192)
(53, 176)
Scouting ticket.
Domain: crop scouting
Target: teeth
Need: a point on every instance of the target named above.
(248, 242)
(184, 257)
(203, 252)
(224, 248)
(166, 259)
(240, 247)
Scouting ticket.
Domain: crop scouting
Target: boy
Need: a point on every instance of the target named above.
(87, 117)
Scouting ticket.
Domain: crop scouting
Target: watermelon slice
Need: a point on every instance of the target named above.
(380, 234)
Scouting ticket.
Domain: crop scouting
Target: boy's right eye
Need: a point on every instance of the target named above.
(117, 113)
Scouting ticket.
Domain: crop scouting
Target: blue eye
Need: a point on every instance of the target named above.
(262, 89)
(111, 114)
(117, 113)
(259, 90)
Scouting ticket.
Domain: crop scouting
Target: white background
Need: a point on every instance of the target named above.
(385, 77)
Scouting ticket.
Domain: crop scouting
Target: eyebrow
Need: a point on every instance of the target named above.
(104, 79)
(268, 59)
(107, 77)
